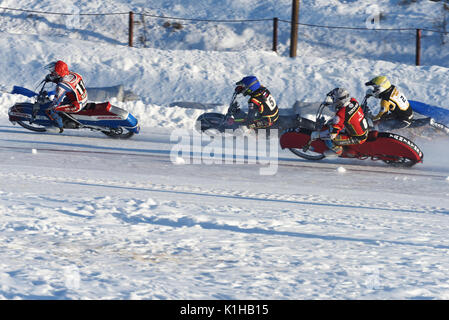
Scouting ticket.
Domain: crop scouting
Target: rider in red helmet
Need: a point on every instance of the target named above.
(71, 94)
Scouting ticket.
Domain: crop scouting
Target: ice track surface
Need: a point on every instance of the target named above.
(87, 217)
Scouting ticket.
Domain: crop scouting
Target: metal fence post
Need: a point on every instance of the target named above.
(275, 34)
(131, 27)
(418, 47)
(294, 28)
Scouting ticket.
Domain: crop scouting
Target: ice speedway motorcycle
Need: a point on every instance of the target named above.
(223, 122)
(295, 132)
(390, 148)
(103, 117)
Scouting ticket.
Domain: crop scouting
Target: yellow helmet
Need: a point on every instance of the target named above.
(379, 84)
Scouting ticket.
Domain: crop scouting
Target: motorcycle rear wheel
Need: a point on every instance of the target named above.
(118, 133)
(401, 162)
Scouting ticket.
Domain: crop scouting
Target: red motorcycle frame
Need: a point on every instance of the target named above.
(390, 148)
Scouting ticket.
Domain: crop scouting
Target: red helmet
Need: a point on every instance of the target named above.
(58, 68)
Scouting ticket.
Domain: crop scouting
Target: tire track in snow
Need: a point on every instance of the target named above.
(226, 195)
(183, 221)
(283, 162)
(261, 199)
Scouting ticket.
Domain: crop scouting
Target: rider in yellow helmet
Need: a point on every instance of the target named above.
(395, 111)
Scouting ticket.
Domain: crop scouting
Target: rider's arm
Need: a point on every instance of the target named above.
(61, 91)
(337, 123)
(331, 129)
(384, 108)
(254, 107)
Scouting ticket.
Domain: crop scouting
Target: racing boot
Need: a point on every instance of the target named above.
(56, 118)
(334, 151)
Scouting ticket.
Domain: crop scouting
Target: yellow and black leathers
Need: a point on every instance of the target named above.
(394, 105)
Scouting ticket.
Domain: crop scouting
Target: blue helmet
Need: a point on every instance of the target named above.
(247, 85)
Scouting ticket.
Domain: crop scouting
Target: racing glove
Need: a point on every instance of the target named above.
(51, 78)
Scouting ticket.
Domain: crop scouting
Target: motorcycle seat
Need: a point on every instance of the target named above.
(93, 107)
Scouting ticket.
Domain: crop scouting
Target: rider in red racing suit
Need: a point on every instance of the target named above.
(347, 127)
(71, 93)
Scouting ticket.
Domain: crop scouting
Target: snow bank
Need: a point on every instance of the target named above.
(163, 77)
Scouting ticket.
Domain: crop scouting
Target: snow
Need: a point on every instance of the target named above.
(341, 170)
(87, 217)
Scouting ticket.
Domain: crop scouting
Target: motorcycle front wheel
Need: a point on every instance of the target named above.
(308, 155)
(32, 127)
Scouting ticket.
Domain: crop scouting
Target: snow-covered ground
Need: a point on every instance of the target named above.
(87, 217)
(91, 218)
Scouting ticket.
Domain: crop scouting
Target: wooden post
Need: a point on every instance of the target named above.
(294, 28)
(418, 47)
(131, 27)
(275, 34)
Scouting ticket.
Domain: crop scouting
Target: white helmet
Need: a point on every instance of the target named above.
(337, 98)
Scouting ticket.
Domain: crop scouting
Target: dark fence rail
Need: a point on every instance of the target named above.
(275, 25)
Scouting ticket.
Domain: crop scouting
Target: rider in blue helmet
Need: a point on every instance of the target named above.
(247, 85)
(262, 108)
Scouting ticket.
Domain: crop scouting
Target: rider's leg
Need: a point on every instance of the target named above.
(336, 146)
(67, 105)
(334, 150)
(54, 116)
